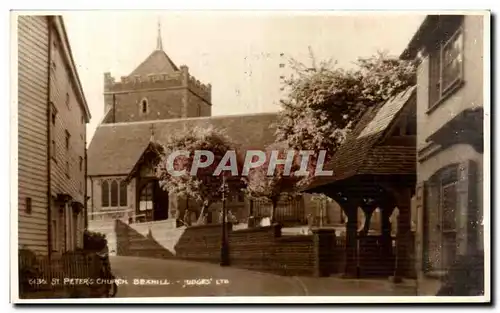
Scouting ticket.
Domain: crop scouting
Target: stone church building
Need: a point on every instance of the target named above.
(142, 109)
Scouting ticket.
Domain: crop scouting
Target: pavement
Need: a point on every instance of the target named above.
(147, 277)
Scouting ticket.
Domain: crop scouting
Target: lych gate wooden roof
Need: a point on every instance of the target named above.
(362, 154)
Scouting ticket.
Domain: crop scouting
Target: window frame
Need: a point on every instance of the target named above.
(119, 204)
(122, 186)
(443, 185)
(444, 92)
(105, 182)
(147, 192)
(114, 190)
(451, 41)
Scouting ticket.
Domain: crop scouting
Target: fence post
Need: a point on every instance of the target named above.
(324, 251)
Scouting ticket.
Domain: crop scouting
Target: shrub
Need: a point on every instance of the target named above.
(94, 241)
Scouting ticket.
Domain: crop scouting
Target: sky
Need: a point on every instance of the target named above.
(239, 53)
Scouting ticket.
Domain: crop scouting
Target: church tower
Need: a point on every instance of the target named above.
(156, 90)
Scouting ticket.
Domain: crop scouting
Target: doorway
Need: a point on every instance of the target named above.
(153, 202)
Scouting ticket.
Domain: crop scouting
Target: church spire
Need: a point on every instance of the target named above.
(159, 45)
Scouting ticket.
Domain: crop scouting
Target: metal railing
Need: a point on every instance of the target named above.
(111, 215)
(124, 215)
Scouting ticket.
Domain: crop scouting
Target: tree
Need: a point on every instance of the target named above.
(264, 182)
(204, 184)
(324, 102)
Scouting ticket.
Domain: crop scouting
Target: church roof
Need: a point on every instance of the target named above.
(361, 154)
(157, 62)
(116, 148)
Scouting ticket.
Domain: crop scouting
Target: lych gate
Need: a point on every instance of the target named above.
(151, 201)
(376, 168)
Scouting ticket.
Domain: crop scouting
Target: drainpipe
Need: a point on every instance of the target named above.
(92, 196)
(66, 223)
(49, 142)
(85, 206)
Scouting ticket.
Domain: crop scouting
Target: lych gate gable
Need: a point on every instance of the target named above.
(402, 131)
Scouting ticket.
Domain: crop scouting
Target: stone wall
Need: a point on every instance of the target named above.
(150, 240)
(261, 249)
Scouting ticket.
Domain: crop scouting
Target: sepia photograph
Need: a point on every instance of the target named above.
(250, 156)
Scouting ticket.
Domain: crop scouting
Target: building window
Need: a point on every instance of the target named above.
(144, 106)
(113, 193)
(123, 193)
(445, 67)
(452, 60)
(67, 140)
(81, 164)
(440, 218)
(105, 193)
(448, 206)
(28, 205)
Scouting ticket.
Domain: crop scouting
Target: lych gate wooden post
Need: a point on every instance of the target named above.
(404, 236)
(386, 210)
(350, 208)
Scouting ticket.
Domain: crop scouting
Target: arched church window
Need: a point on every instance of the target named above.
(144, 106)
(114, 193)
(123, 193)
(105, 193)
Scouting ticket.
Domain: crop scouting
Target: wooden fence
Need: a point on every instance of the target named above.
(67, 272)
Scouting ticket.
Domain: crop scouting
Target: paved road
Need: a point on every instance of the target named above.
(186, 279)
(178, 278)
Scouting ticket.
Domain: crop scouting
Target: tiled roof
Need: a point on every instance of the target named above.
(156, 62)
(115, 148)
(360, 154)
